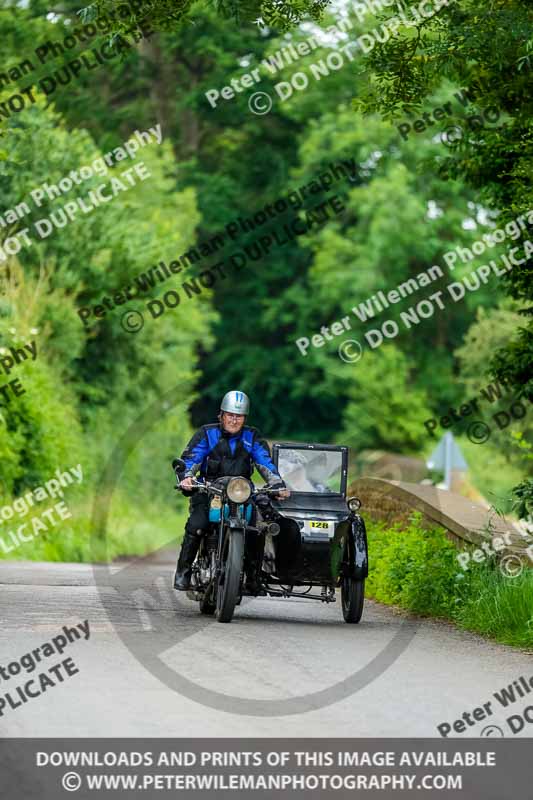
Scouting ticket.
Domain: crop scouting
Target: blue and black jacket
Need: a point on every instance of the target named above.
(216, 453)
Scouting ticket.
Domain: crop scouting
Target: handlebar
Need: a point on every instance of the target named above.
(201, 486)
(204, 486)
(266, 490)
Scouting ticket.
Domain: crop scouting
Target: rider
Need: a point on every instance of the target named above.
(226, 448)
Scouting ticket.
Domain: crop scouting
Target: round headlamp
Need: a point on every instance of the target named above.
(238, 490)
(354, 504)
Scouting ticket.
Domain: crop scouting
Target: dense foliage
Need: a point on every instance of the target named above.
(489, 51)
(417, 569)
(412, 202)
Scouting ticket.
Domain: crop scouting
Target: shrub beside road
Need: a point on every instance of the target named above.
(417, 570)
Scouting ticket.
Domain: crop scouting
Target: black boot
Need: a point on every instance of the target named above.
(253, 559)
(252, 582)
(189, 548)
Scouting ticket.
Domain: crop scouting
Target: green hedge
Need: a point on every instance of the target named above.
(417, 569)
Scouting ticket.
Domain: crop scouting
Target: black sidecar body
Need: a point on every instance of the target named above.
(322, 540)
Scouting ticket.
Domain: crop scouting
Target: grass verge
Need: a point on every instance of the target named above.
(134, 528)
(417, 569)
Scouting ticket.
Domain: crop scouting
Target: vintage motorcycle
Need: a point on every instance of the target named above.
(217, 573)
(315, 538)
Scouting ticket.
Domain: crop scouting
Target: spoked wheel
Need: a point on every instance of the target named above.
(230, 578)
(353, 599)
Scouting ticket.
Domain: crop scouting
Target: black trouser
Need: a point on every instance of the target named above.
(198, 524)
(198, 521)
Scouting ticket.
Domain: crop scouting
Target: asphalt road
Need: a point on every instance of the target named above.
(274, 652)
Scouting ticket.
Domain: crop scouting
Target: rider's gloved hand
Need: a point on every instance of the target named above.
(279, 484)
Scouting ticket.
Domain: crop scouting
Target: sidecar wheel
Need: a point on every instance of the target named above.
(353, 599)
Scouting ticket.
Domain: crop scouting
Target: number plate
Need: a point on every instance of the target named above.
(322, 525)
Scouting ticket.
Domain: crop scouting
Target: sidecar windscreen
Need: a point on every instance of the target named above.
(312, 469)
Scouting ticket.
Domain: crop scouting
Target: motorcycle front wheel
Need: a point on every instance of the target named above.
(353, 599)
(230, 577)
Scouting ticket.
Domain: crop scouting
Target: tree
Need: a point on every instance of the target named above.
(163, 14)
(95, 376)
(490, 54)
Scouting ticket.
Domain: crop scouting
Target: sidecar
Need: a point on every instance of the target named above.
(322, 540)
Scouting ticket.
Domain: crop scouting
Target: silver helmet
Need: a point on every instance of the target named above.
(235, 403)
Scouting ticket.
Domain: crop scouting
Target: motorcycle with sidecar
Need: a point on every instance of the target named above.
(313, 540)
